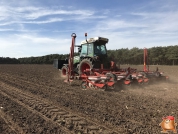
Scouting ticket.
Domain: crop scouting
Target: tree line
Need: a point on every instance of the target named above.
(156, 56)
(7, 60)
(47, 59)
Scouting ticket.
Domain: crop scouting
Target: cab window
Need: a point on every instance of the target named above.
(100, 49)
(84, 50)
(103, 49)
(90, 49)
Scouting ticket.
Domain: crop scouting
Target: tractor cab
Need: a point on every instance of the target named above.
(94, 47)
(93, 53)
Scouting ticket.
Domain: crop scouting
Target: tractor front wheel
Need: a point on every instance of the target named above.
(64, 71)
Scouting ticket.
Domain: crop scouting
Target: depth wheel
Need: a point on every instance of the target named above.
(105, 87)
(112, 76)
(140, 81)
(113, 87)
(84, 85)
(127, 82)
(157, 74)
(146, 82)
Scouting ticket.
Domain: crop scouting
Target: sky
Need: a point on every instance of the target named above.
(38, 27)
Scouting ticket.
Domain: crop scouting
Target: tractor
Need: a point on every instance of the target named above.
(96, 70)
(92, 54)
(92, 64)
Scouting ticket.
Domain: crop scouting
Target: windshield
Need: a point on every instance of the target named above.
(84, 50)
(100, 49)
(88, 52)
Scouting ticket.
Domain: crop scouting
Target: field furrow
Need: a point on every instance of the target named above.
(72, 122)
(34, 99)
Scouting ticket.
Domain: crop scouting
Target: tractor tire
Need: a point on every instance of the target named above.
(104, 88)
(143, 74)
(113, 76)
(85, 64)
(84, 85)
(113, 87)
(157, 74)
(64, 72)
(146, 83)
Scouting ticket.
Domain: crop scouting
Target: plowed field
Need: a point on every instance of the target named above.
(34, 100)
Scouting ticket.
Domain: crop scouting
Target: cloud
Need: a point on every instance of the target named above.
(10, 15)
(28, 14)
(32, 45)
(146, 22)
(139, 29)
(1, 30)
(159, 22)
(115, 24)
(44, 12)
(28, 29)
(50, 20)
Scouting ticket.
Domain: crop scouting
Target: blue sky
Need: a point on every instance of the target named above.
(39, 27)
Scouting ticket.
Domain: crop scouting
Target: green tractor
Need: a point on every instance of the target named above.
(92, 55)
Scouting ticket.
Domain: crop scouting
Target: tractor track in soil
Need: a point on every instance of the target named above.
(7, 125)
(18, 81)
(70, 122)
(23, 119)
(123, 112)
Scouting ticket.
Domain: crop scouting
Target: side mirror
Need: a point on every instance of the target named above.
(79, 49)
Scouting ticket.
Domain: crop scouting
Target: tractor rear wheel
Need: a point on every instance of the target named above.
(64, 71)
(85, 64)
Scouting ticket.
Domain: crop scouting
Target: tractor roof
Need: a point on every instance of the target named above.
(95, 39)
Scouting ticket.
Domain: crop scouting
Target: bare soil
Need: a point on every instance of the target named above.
(34, 99)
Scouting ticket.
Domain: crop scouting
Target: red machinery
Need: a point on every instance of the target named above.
(151, 74)
(70, 73)
(93, 68)
(145, 69)
(94, 80)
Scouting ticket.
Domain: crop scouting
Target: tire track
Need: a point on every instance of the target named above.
(18, 82)
(71, 122)
(128, 110)
(14, 80)
(14, 128)
(20, 102)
